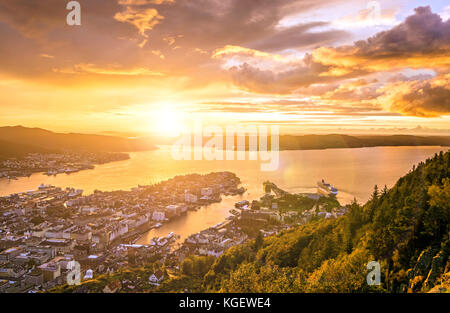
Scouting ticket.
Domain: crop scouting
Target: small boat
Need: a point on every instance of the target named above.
(71, 170)
(234, 212)
(157, 225)
(241, 204)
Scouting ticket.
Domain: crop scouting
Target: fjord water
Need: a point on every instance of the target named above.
(353, 171)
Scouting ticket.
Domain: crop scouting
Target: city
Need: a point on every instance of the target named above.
(224, 155)
(55, 163)
(44, 232)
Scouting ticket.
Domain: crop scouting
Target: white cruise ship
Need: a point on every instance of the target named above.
(326, 189)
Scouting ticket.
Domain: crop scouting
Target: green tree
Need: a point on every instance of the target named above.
(187, 267)
(259, 241)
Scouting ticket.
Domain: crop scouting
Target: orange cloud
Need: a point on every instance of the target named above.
(422, 41)
(112, 70)
(429, 98)
(231, 50)
(46, 56)
(144, 2)
(143, 20)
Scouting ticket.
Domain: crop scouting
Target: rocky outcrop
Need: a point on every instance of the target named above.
(444, 285)
(420, 271)
(437, 268)
(423, 263)
(429, 268)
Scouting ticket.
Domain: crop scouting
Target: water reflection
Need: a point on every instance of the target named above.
(353, 171)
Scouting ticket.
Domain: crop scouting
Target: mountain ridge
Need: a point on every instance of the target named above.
(44, 140)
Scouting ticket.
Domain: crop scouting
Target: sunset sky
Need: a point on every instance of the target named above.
(148, 66)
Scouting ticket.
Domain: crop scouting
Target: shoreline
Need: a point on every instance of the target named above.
(67, 168)
(155, 166)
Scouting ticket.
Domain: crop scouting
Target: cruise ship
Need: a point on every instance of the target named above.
(326, 189)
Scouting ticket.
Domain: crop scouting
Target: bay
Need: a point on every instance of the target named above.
(353, 171)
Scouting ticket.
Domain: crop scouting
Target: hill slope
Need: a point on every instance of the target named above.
(47, 140)
(14, 150)
(405, 229)
(309, 142)
(332, 141)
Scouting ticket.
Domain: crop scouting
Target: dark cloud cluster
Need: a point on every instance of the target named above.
(135, 33)
(422, 33)
(424, 99)
(422, 41)
(301, 75)
(179, 38)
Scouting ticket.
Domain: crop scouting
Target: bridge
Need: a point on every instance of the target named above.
(269, 187)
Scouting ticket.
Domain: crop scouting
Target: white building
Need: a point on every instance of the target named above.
(89, 274)
(172, 209)
(118, 231)
(156, 277)
(75, 193)
(158, 216)
(190, 198)
(207, 191)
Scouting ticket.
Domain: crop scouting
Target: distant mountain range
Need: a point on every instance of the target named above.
(334, 141)
(310, 142)
(16, 141)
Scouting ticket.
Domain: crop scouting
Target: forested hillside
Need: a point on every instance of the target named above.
(307, 142)
(16, 150)
(405, 229)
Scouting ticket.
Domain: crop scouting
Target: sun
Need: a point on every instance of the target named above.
(167, 123)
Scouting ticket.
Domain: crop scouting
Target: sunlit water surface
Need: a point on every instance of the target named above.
(353, 171)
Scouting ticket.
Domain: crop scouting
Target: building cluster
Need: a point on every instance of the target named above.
(292, 215)
(213, 241)
(45, 232)
(56, 163)
(268, 208)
